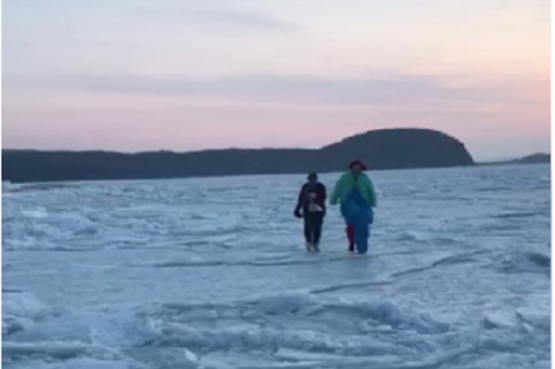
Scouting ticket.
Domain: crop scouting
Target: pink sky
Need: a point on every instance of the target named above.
(142, 75)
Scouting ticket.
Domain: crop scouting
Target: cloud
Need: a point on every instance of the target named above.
(390, 92)
(242, 19)
(214, 17)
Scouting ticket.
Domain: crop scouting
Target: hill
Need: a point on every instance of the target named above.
(534, 159)
(539, 158)
(379, 149)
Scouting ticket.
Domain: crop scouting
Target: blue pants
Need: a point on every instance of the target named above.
(359, 215)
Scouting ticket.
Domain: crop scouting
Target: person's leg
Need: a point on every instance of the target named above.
(362, 230)
(307, 229)
(368, 231)
(350, 230)
(317, 230)
(311, 223)
(361, 238)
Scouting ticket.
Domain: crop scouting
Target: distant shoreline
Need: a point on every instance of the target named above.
(402, 148)
(54, 185)
(386, 149)
(539, 158)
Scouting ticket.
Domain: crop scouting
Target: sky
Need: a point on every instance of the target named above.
(183, 75)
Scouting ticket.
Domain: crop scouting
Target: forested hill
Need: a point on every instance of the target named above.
(379, 149)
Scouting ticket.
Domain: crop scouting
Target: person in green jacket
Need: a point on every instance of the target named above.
(355, 191)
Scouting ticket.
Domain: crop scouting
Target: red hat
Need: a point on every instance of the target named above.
(357, 162)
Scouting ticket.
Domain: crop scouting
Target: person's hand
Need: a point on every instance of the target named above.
(298, 214)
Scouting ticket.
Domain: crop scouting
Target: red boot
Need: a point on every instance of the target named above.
(351, 237)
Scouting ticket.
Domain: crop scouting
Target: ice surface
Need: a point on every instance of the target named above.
(212, 273)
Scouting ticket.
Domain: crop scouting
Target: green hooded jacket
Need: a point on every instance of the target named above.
(346, 183)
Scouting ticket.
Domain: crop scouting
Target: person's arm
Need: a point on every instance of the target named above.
(336, 191)
(300, 201)
(371, 194)
(324, 195)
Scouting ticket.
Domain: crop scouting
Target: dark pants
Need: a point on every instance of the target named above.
(313, 226)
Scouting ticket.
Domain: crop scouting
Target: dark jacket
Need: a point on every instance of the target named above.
(318, 189)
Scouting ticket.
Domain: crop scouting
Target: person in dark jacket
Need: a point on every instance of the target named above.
(311, 206)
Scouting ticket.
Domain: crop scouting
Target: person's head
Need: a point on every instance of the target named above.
(356, 166)
(312, 178)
